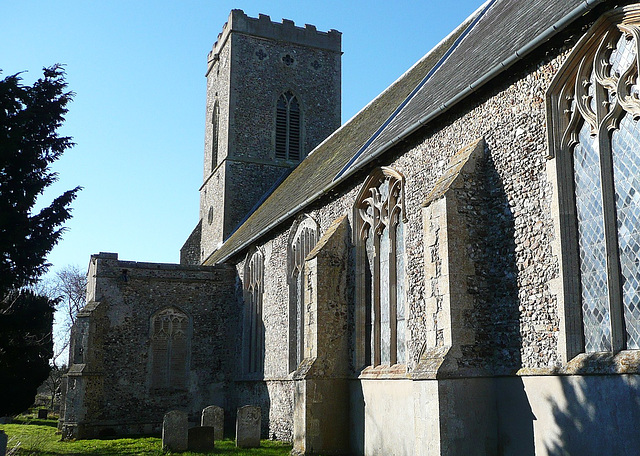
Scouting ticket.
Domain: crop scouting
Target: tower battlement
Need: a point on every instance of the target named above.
(264, 27)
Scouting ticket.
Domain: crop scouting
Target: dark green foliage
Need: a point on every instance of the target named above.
(29, 143)
(26, 346)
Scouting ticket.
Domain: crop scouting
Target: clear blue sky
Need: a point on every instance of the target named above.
(137, 68)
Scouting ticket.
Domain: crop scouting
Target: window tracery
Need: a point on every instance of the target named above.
(254, 327)
(170, 341)
(300, 244)
(380, 216)
(595, 113)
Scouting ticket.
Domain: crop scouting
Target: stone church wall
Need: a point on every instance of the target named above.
(509, 218)
(128, 294)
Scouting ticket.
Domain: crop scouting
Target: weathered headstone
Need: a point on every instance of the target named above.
(3, 443)
(201, 438)
(214, 416)
(175, 436)
(248, 424)
(42, 414)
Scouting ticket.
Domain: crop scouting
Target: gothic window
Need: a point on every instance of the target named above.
(170, 345)
(595, 110)
(253, 325)
(215, 126)
(304, 238)
(288, 127)
(379, 237)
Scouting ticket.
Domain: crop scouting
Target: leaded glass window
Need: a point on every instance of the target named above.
(253, 324)
(288, 127)
(379, 215)
(170, 344)
(301, 243)
(595, 107)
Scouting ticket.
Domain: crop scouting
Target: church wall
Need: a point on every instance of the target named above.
(515, 313)
(129, 294)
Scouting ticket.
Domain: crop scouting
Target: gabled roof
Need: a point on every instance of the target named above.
(488, 42)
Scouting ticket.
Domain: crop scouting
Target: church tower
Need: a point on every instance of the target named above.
(273, 94)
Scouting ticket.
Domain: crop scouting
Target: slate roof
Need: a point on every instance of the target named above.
(493, 38)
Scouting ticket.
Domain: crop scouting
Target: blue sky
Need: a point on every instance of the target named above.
(137, 68)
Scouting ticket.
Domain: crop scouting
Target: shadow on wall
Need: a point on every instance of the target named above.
(496, 312)
(596, 414)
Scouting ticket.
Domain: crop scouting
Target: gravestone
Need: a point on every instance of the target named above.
(175, 435)
(248, 424)
(42, 414)
(3, 443)
(214, 416)
(201, 438)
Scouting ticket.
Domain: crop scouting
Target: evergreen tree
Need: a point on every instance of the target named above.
(29, 143)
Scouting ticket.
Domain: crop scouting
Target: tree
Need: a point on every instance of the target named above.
(69, 287)
(29, 119)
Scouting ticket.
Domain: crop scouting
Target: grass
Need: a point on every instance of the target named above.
(41, 439)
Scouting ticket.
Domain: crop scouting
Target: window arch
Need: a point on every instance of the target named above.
(253, 325)
(170, 348)
(379, 238)
(288, 127)
(302, 240)
(594, 108)
(215, 127)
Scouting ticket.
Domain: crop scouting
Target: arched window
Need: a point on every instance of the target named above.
(253, 325)
(215, 126)
(595, 135)
(170, 348)
(303, 240)
(379, 213)
(288, 126)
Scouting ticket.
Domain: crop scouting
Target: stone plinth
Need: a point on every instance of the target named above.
(175, 435)
(248, 423)
(214, 416)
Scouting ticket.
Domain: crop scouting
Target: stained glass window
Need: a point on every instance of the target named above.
(253, 324)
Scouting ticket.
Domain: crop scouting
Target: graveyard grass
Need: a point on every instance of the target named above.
(41, 439)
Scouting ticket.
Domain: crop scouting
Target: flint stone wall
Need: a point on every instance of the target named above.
(129, 293)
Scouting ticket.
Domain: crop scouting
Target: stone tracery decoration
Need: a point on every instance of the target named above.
(170, 341)
(379, 216)
(302, 240)
(594, 109)
(253, 325)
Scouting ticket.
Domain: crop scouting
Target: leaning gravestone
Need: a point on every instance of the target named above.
(201, 438)
(214, 416)
(3, 443)
(175, 435)
(42, 414)
(248, 424)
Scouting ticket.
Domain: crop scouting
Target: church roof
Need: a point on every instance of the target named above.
(497, 35)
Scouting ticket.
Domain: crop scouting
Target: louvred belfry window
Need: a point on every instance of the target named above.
(288, 126)
(380, 218)
(170, 342)
(215, 125)
(595, 110)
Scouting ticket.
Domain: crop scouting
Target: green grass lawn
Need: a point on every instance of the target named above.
(41, 439)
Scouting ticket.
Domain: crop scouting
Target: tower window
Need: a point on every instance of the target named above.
(288, 120)
(215, 125)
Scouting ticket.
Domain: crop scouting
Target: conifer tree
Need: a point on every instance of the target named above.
(29, 142)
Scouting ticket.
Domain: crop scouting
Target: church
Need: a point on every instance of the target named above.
(454, 271)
